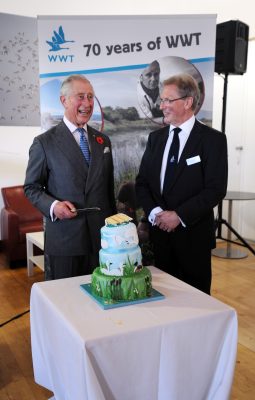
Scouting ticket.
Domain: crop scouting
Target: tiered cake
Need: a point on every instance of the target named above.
(120, 275)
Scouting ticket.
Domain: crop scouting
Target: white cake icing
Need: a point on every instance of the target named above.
(119, 248)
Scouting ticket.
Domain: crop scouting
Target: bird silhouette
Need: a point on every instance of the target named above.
(57, 40)
(55, 46)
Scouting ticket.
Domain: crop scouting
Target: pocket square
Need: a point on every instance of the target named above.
(106, 150)
(193, 160)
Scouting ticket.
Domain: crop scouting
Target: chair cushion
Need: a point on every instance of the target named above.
(15, 199)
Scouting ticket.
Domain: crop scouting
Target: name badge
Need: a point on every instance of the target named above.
(193, 160)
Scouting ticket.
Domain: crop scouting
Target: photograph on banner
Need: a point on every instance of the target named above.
(126, 67)
(152, 78)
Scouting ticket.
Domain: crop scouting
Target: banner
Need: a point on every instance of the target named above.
(19, 81)
(119, 54)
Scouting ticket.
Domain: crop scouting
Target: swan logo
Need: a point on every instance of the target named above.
(59, 42)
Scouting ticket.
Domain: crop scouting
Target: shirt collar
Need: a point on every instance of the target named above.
(186, 126)
(72, 128)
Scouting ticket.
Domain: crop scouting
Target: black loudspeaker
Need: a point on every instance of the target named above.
(231, 47)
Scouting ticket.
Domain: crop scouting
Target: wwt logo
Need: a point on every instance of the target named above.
(56, 44)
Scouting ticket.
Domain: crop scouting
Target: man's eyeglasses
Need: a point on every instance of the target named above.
(169, 101)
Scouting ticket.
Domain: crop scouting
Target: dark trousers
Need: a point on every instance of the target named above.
(57, 267)
(182, 255)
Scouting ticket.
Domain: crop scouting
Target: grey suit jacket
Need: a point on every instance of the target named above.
(57, 170)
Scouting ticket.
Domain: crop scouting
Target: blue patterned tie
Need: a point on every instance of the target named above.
(84, 145)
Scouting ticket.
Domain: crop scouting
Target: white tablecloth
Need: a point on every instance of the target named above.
(182, 347)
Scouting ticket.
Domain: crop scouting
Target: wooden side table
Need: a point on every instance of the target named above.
(37, 239)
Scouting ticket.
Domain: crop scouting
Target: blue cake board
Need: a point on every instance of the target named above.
(107, 304)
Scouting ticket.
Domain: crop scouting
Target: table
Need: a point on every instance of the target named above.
(229, 252)
(37, 239)
(182, 347)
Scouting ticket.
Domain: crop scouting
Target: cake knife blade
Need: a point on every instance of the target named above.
(85, 209)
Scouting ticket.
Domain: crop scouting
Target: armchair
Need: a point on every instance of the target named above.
(18, 217)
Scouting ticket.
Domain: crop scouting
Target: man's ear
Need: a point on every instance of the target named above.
(188, 103)
(63, 100)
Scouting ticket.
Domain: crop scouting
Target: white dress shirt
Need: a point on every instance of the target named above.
(186, 128)
(74, 130)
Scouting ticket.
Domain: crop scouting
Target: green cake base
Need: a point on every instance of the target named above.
(135, 286)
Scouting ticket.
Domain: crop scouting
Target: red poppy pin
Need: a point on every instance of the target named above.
(99, 139)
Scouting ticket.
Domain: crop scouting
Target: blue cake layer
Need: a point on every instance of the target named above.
(117, 260)
(119, 248)
(119, 237)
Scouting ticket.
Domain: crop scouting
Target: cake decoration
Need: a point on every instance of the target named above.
(117, 219)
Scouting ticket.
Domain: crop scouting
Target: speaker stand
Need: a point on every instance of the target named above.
(229, 252)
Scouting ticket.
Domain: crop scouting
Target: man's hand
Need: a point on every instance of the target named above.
(62, 210)
(167, 220)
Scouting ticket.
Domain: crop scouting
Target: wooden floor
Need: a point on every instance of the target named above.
(233, 283)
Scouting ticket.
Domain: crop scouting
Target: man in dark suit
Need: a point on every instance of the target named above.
(179, 183)
(60, 179)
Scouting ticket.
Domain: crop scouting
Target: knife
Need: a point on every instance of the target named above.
(85, 209)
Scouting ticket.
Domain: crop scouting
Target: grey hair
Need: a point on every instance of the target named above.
(187, 86)
(67, 83)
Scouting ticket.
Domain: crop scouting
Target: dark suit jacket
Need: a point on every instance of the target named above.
(196, 188)
(57, 171)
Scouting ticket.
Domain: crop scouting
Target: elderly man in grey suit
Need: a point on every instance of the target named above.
(71, 168)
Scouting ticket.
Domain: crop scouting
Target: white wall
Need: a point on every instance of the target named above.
(15, 141)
